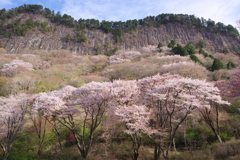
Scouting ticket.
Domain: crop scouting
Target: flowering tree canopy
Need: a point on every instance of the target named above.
(124, 92)
(136, 119)
(172, 98)
(12, 111)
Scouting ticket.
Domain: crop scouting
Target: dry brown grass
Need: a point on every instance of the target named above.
(129, 71)
(227, 151)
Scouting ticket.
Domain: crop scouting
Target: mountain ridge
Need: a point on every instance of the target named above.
(85, 38)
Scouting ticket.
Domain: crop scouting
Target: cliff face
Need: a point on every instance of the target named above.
(100, 42)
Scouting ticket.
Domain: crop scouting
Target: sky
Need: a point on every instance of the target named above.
(225, 11)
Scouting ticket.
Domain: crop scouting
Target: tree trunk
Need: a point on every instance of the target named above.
(135, 156)
(5, 156)
(174, 145)
(6, 151)
(39, 153)
(157, 151)
(219, 138)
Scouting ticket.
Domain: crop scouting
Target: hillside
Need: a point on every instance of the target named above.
(158, 87)
(31, 26)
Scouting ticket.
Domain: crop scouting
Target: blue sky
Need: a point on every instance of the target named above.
(225, 11)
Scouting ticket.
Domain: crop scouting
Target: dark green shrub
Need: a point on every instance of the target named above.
(190, 48)
(231, 65)
(217, 64)
(159, 45)
(195, 59)
(172, 44)
(180, 50)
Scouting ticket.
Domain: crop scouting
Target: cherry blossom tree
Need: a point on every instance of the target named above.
(173, 100)
(16, 66)
(136, 119)
(43, 107)
(82, 108)
(124, 109)
(91, 101)
(145, 85)
(123, 93)
(12, 112)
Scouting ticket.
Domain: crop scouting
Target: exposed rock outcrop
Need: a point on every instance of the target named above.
(100, 42)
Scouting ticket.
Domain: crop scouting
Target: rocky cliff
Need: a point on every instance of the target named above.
(99, 42)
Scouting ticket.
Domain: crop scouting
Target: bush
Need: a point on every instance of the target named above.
(195, 59)
(217, 65)
(226, 150)
(206, 61)
(81, 36)
(172, 44)
(231, 65)
(201, 51)
(159, 45)
(179, 50)
(190, 48)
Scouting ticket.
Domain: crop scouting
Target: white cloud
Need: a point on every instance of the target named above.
(218, 10)
(226, 11)
(5, 3)
(87, 9)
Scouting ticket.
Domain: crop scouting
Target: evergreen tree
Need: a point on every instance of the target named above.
(217, 64)
(172, 44)
(190, 48)
(195, 59)
(180, 50)
(159, 45)
(205, 54)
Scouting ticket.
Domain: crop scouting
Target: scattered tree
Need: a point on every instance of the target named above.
(159, 45)
(172, 102)
(90, 101)
(217, 64)
(179, 50)
(12, 111)
(172, 44)
(136, 119)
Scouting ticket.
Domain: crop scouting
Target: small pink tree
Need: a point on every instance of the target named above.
(12, 112)
(122, 93)
(43, 107)
(92, 103)
(136, 119)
